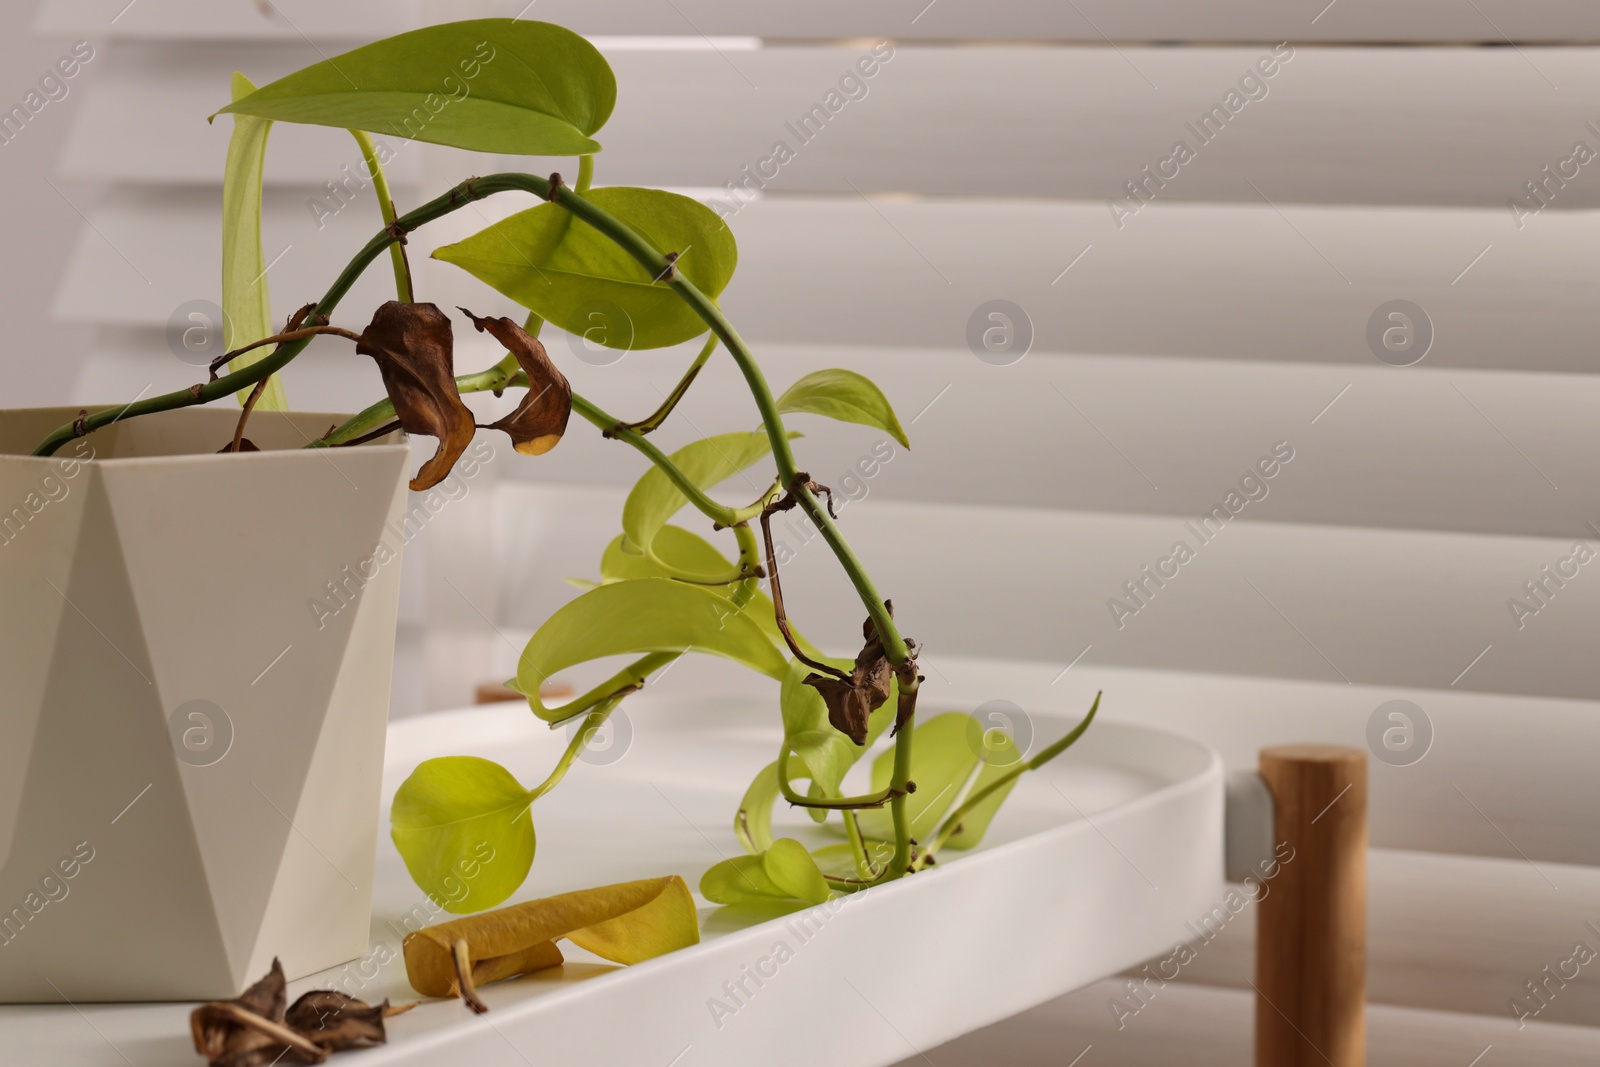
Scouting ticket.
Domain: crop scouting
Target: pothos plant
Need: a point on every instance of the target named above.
(656, 261)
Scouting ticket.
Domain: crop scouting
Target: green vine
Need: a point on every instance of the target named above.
(670, 591)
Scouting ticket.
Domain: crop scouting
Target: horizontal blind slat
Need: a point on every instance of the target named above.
(1230, 282)
(1087, 20)
(1368, 126)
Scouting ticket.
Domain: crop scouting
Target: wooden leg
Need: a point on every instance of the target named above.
(1311, 942)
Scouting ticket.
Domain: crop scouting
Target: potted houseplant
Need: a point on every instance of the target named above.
(636, 267)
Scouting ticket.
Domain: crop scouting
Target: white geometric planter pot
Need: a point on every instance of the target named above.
(196, 657)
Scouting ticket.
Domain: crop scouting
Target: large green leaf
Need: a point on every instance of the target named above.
(683, 554)
(846, 396)
(463, 827)
(942, 760)
(644, 615)
(654, 499)
(490, 85)
(573, 275)
(826, 753)
(246, 310)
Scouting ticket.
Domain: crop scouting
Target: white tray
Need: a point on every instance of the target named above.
(1096, 862)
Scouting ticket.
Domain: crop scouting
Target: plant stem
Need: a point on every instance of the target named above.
(579, 742)
(244, 378)
(244, 414)
(657, 417)
(866, 800)
(380, 188)
(585, 173)
(1045, 755)
(852, 830)
(646, 256)
(717, 513)
(659, 266)
(902, 821)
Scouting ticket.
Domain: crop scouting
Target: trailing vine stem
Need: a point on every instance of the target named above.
(657, 417)
(952, 823)
(580, 740)
(246, 377)
(660, 266)
(654, 261)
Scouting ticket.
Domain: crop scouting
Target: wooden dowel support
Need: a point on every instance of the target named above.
(1311, 939)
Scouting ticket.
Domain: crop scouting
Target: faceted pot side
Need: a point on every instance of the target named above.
(196, 656)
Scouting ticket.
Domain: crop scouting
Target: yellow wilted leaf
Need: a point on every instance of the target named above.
(624, 923)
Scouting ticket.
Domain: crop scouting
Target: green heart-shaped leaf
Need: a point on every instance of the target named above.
(681, 554)
(643, 615)
(794, 872)
(785, 871)
(846, 396)
(739, 880)
(654, 498)
(463, 827)
(574, 276)
(488, 85)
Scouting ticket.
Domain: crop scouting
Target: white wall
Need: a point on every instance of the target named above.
(39, 358)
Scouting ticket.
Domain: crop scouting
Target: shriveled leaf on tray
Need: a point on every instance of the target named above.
(255, 1029)
(625, 923)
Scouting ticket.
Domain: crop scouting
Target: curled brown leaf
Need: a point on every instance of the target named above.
(335, 1021)
(413, 345)
(255, 1030)
(538, 422)
(851, 700)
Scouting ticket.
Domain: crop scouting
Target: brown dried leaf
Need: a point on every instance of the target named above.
(413, 345)
(334, 1021)
(225, 1041)
(538, 422)
(254, 1030)
(850, 701)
